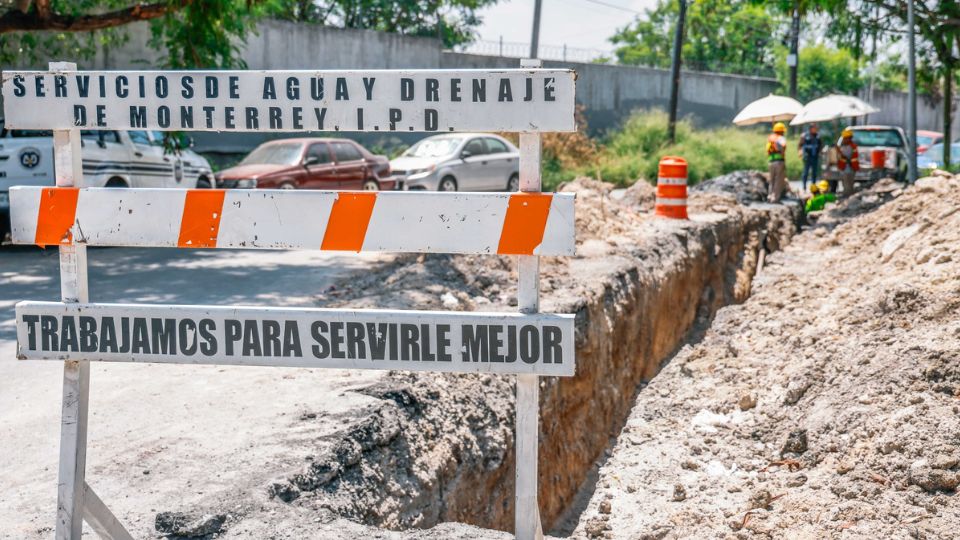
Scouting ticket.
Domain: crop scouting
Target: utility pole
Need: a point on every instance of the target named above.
(439, 27)
(912, 96)
(793, 58)
(535, 39)
(873, 59)
(675, 71)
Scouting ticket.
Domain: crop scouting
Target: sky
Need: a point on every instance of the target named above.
(577, 23)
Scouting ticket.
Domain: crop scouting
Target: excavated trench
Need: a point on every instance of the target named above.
(439, 448)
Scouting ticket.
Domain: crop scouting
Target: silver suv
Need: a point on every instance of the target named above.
(459, 162)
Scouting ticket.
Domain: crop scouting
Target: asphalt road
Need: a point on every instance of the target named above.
(162, 437)
(165, 276)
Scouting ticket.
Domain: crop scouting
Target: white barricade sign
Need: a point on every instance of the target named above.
(494, 223)
(528, 224)
(468, 342)
(373, 100)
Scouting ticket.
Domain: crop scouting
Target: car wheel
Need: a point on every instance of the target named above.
(288, 185)
(203, 183)
(448, 183)
(513, 184)
(116, 182)
(371, 185)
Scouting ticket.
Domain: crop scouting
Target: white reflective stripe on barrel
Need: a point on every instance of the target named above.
(672, 181)
(671, 202)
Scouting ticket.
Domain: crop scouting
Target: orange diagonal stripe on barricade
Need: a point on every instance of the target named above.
(200, 225)
(349, 218)
(524, 223)
(58, 209)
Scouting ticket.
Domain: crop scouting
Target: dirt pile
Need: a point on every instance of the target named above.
(746, 186)
(384, 469)
(826, 406)
(440, 447)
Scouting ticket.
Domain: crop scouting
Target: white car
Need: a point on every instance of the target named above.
(110, 159)
(459, 162)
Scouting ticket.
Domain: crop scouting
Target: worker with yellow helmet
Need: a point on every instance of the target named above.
(776, 155)
(848, 161)
(819, 197)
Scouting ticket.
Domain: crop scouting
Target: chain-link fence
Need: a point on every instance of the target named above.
(563, 53)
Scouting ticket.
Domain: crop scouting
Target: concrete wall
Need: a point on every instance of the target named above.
(610, 92)
(893, 110)
(285, 45)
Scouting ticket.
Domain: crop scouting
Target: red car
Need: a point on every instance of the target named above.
(309, 163)
(926, 139)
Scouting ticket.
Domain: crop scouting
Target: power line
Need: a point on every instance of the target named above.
(614, 6)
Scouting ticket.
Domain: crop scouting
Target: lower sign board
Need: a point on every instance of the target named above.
(541, 343)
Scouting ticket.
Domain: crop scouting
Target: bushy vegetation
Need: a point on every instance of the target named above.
(633, 152)
(733, 36)
(823, 70)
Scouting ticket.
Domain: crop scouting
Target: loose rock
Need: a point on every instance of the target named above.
(796, 442)
(189, 525)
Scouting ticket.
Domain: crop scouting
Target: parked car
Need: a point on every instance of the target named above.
(933, 157)
(926, 139)
(464, 162)
(309, 163)
(110, 159)
(891, 141)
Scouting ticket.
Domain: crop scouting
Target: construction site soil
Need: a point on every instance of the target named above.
(439, 448)
(825, 406)
(817, 398)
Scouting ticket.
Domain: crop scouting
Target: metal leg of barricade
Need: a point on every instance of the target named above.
(75, 500)
(527, 509)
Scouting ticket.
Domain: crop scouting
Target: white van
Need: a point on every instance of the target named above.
(110, 159)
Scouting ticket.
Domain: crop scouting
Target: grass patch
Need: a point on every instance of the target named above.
(633, 152)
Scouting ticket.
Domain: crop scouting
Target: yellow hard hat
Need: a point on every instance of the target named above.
(779, 128)
(823, 185)
(814, 189)
(847, 132)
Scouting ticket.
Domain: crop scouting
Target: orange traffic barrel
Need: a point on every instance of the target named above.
(877, 158)
(672, 188)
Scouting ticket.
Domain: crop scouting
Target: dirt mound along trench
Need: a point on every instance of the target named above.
(441, 446)
(823, 407)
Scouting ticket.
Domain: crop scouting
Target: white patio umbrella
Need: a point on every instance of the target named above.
(831, 108)
(769, 109)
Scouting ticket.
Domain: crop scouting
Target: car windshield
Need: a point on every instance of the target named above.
(18, 133)
(274, 154)
(924, 140)
(878, 137)
(434, 147)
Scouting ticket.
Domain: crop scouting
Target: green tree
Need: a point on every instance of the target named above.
(734, 36)
(938, 40)
(891, 76)
(822, 70)
(453, 21)
(194, 33)
(939, 26)
(209, 33)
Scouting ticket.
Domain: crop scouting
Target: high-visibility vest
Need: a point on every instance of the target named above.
(854, 157)
(773, 152)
